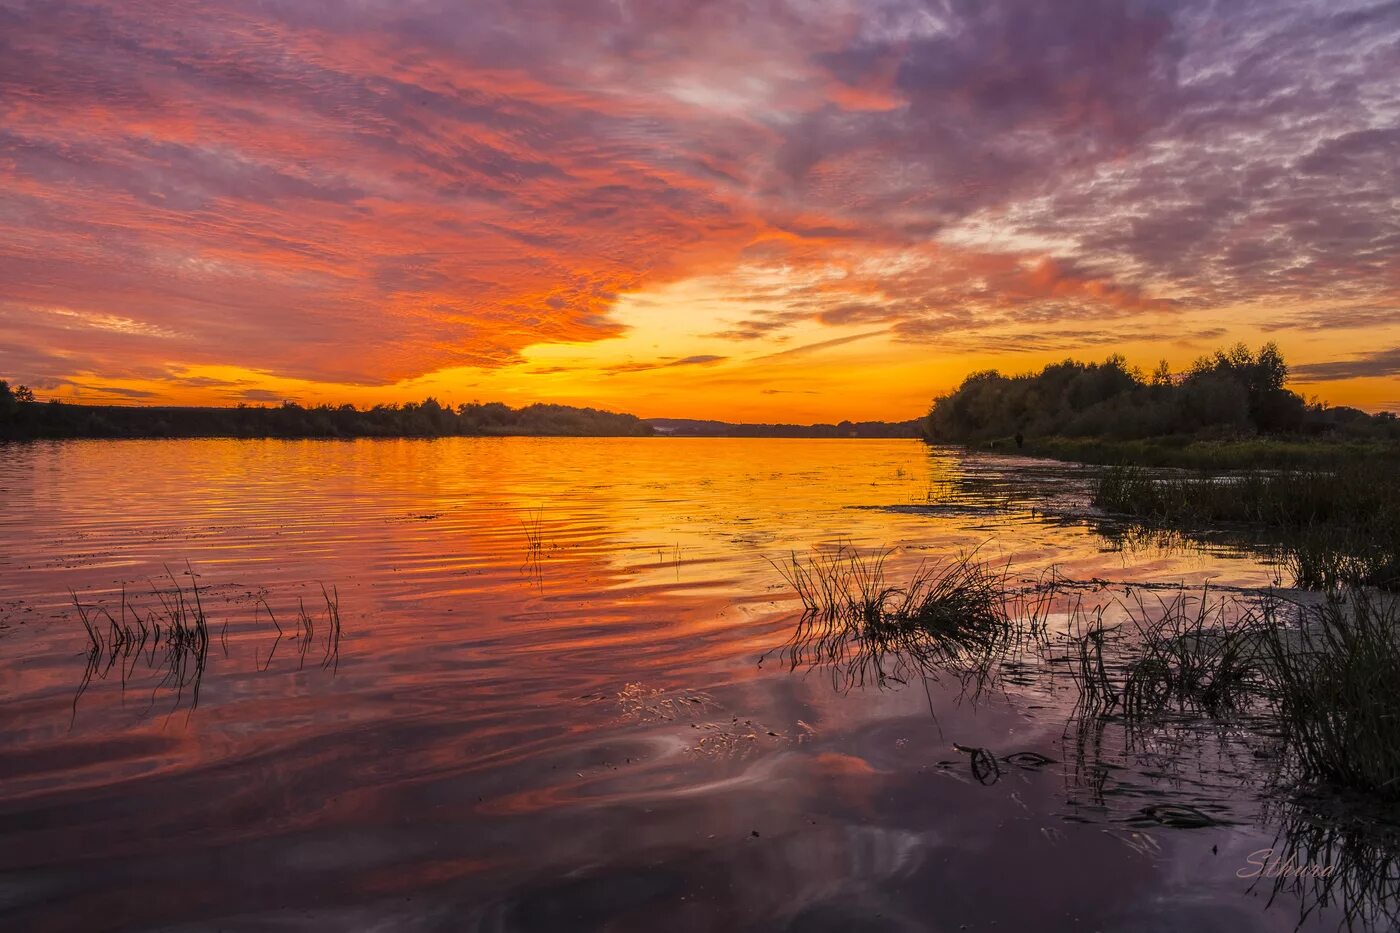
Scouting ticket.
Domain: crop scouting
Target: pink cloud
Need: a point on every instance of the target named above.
(366, 193)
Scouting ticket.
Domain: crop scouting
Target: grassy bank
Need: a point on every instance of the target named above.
(1191, 453)
(1335, 527)
(1330, 508)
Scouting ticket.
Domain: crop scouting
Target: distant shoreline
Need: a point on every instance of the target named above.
(55, 420)
(444, 437)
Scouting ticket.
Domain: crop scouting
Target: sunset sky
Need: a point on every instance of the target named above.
(799, 211)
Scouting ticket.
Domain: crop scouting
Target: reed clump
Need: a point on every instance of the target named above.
(305, 630)
(1350, 494)
(173, 634)
(1193, 654)
(959, 615)
(173, 639)
(1335, 677)
(1324, 676)
(1332, 557)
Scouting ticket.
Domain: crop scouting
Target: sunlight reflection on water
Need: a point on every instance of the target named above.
(547, 711)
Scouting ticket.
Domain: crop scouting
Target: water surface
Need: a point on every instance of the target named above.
(557, 702)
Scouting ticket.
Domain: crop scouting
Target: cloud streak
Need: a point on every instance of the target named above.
(375, 192)
(1366, 366)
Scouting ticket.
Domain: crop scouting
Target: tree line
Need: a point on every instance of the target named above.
(1228, 393)
(23, 418)
(692, 427)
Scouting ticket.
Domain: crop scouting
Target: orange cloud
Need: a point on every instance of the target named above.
(364, 198)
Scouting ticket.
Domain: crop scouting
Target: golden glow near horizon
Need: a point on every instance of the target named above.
(834, 213)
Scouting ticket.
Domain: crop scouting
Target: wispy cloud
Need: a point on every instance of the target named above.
(809, 348)
(1365, 366)
(369, 193)
(704, 359)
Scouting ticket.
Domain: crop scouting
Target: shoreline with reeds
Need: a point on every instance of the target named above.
(1329, 527)
(1321, 675)
(1189, 452)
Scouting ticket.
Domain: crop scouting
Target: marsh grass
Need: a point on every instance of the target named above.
(1323, 677)
(1351, 494)
(1329, 557)
(533, 524)
(173, 639)
(1088, 664)
(1338, 527)
(1333, 852)
(305, 629)
(1193, 654)
(1187, 654)
(173, 634)
(1334, 675)
(958, 616)
(1191, 453)
(1298, 700)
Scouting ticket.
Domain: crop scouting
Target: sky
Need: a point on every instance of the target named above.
(805, 210)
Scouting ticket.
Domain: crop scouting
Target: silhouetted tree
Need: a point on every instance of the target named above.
(429, 418)
(1229, 392)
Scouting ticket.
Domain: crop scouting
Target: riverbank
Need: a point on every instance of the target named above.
(1329, 510)
(1192, 453)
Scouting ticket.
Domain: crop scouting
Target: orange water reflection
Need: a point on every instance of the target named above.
(547, 712)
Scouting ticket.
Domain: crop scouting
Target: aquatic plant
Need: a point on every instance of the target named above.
(1331, 557)
(1098, 691)
(1324, 677)
(1332, 851)
(1192, 452)
(1338, 527)
(173, 635)
(960, 615)
(1353, 493)
(305, 630)
(533, 524)
(177, 634)
(1334, 676)
(1191, 653)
